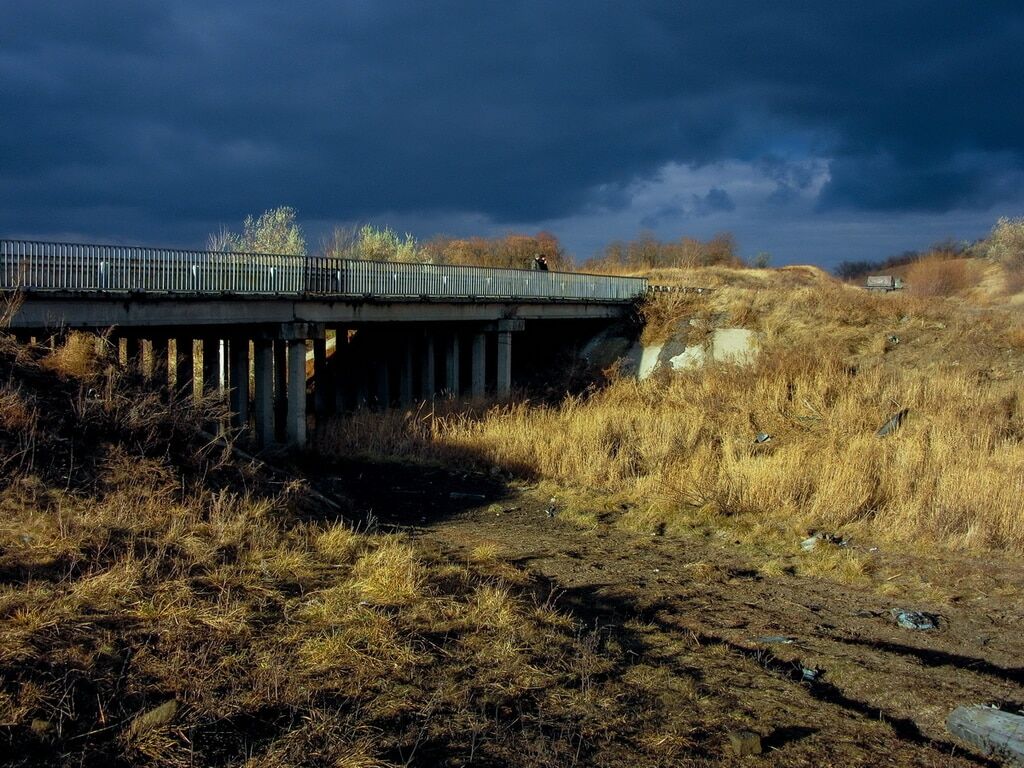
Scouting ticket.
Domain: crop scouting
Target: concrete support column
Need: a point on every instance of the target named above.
(238, 373)
(184, 366)
(361, 373)
(211, 365)
(383, 376)
(322, 399)
(405, 382)
(160, 368)
(339, 366)
(479, 365)
(451, 364)
(280, 389)
(263, 404)
(428, 382)
(504, 379)
(133, 353)
(296, 429)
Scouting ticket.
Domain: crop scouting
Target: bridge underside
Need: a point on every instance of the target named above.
(280, 360)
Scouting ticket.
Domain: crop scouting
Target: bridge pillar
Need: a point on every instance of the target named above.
(504, 379)
(263, 402)
(321, 387)
(405, 382)
(428, 382)
(133, 353)
(296, 429)
(340, 368)
(383, 376)
(211, 365)
(280, 389)
(184, 366)
(451, 364)
(160, 362)
(479, 365)
(238, 377)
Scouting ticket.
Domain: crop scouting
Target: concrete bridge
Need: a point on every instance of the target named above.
(376, 333)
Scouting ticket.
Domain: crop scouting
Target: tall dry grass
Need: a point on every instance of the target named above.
(835, 364)
(163, 605)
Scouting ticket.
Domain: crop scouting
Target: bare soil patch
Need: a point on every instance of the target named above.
(696, 620)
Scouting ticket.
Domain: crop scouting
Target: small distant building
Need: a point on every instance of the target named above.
(883, 283)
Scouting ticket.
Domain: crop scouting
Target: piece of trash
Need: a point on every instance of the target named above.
(872, 549)
(774, 639)
(913, 619)
(470, 496)
(995, 732)
(809, 674)
(893, 423)
(552, 510)
(762, 437)
(894, 339)
(745, 743)
(829, 538)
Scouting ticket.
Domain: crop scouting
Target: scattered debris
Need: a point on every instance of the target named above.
(762, 437)
(809, 674)
(913, 619)
(810, 543)
(774, 639)
(894, 339)
(745, 743)
(893, 423)
(994, 732)
(552, 509)
(153, 719)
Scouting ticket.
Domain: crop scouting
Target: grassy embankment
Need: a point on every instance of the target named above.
(835, 363)
(161, 603)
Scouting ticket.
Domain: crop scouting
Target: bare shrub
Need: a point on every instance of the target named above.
(936, 276)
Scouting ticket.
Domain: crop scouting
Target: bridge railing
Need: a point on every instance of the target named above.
(40, 266)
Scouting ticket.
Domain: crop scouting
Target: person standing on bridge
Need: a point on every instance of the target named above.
(540, 263)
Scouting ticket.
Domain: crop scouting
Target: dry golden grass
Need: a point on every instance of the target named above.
(836, 363)
(161, 605)
(938, 276)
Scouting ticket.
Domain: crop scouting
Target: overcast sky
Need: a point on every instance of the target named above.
(814, 131)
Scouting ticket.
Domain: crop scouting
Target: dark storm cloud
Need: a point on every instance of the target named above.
(124, 115)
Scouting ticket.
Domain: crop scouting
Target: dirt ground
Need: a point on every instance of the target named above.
(819, 668)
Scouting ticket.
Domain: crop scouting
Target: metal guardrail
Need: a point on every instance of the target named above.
(41, 266)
